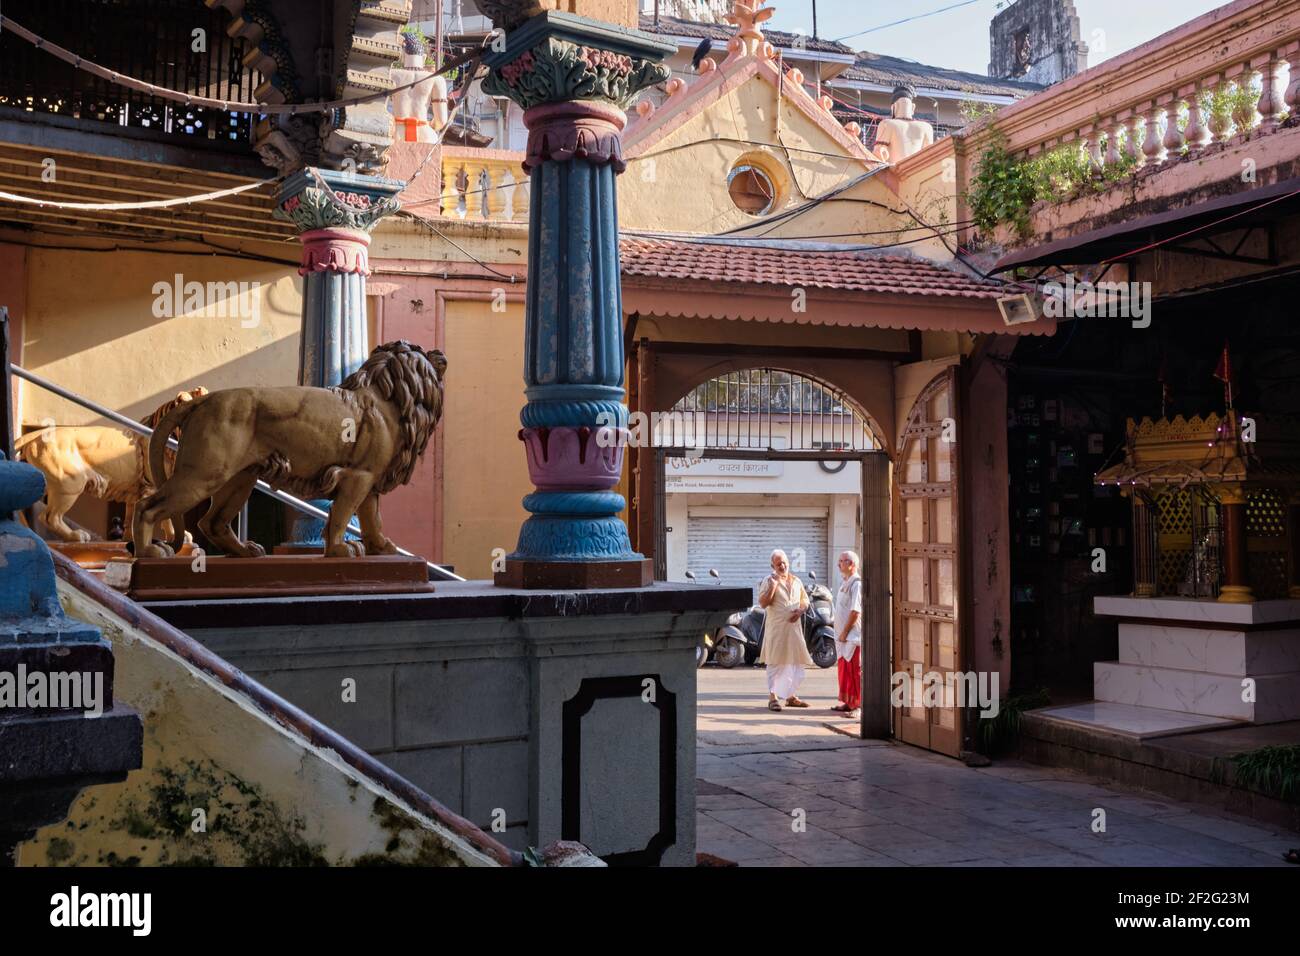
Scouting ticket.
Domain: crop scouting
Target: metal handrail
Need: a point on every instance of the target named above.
(443, 574)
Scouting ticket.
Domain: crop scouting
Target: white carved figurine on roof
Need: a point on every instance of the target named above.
(419, 111)
(902, 135)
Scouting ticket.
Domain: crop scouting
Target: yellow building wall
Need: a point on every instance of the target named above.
(486, 475)
(931, 184)
(679, 183)
(90, 326)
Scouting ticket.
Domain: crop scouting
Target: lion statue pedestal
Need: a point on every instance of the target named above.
(350, 444)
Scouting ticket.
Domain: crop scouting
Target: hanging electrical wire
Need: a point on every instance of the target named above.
(149, 204)
(918, 16)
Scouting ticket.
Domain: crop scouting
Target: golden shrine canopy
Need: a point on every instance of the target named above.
(1212, 450)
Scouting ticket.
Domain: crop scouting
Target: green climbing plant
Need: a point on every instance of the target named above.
(973, 111)
(1005, 186)
(1001, 190)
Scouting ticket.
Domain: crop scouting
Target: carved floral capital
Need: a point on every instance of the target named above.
(558, 71)
(313, 208)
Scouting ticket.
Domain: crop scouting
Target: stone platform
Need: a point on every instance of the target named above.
(553, 714)
(1192, 765)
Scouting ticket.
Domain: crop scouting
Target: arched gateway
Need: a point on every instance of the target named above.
(757, 458)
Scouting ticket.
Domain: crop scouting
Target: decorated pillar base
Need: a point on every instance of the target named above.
(334, 213)
(1236, 594)
(533, 574)
(574, 537)
(574, 77)
(50, 749)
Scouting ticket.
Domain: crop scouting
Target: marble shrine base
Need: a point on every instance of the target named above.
(1199, 657)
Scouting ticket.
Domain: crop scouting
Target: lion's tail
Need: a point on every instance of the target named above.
(155, 468)
(26, 440)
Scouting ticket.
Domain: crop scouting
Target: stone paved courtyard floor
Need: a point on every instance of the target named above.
(873, 803)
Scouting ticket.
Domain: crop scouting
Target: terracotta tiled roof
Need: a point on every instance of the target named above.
(722, 32)
(889, 70)
(847, 270)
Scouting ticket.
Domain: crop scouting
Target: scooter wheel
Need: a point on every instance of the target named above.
(823, 654)
(729, 654)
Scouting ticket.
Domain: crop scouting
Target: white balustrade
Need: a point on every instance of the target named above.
(483, 185)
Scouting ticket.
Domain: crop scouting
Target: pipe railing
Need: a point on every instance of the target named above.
(441, 573)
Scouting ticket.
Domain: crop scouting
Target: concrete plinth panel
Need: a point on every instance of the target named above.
(613, 744)
(558, 715)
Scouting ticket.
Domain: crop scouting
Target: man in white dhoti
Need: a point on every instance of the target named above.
(784, 652)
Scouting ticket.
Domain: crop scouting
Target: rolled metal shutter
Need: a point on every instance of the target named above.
(740, 548)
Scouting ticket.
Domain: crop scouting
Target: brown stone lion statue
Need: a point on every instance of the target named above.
(107, 462)
(351, 444)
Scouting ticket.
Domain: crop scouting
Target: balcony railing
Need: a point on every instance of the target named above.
(177, 44)
(483, 184)
(1218, 79)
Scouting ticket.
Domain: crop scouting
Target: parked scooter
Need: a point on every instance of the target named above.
(705, 648)
(819, 623)
(741, 638)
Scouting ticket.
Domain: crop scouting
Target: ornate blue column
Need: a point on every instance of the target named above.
(334, 213)
(574, 77)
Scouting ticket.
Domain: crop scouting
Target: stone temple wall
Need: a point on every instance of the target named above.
(701, 11)
(1037, 41)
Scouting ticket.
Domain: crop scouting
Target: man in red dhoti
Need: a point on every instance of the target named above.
(848, 635)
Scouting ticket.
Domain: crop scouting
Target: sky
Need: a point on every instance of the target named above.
(958, 38)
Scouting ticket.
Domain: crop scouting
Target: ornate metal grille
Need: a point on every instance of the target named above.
(151, 40)
(766, 409)
(1187, 544)
(1184, 555)
(1267, 543)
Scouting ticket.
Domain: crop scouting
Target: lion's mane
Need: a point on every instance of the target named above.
(411, 379)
